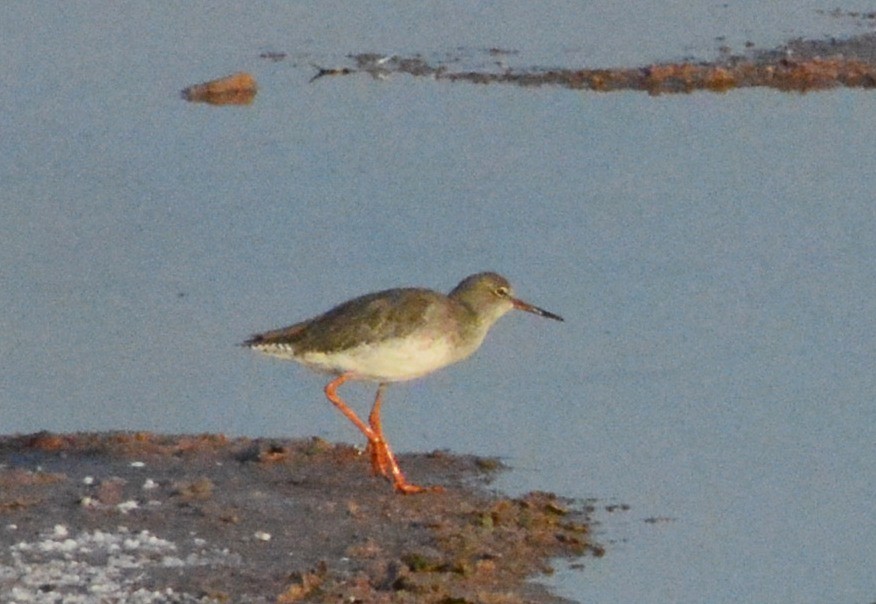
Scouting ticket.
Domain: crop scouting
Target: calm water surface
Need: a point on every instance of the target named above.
(712, 256)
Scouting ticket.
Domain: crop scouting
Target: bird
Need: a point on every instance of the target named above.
(391, 336)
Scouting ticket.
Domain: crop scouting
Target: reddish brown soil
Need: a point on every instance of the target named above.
(295, 520)
(798, 66)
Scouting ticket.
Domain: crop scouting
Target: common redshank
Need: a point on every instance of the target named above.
(393, 336)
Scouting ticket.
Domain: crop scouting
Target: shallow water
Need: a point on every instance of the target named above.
(712, 256)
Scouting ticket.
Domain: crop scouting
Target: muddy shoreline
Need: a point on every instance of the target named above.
(797, 66)
(140, 517)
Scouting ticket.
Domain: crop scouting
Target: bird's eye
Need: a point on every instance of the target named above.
(502, 291)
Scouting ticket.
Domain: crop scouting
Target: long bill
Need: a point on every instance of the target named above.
(521, 305)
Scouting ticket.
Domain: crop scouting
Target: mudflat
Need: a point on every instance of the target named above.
(141, 517)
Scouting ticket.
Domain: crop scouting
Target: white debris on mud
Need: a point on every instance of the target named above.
(96, 567)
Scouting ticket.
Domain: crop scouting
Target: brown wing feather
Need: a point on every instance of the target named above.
(391, 313)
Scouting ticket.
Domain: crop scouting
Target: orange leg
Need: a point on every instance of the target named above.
(379, 462)
(382, 459)
(332, 395)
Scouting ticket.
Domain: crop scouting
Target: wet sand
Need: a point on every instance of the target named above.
(140, 517)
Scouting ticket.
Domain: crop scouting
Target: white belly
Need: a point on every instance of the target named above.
(387, 361)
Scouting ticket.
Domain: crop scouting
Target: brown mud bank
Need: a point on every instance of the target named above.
(798, 66)
(139, 517)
